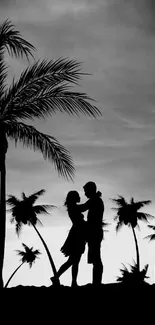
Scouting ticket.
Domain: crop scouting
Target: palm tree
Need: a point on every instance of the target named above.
(28, 256)
(128, 214)
(42, 89)
(24, 212)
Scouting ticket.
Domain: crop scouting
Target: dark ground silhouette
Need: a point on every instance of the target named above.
(107, 303)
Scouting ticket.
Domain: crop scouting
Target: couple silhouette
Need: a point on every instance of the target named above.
(82, 232)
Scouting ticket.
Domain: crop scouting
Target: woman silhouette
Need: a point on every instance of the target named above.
(74, 245)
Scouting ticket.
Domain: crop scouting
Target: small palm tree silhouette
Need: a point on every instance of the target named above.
(134, 276)
(24, 212)
(41, 90)
(128, 214)
(27, 256)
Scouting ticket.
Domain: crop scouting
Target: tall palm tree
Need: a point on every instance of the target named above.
(24, 212)
(27, 256)
(42, 89)
(128, 214)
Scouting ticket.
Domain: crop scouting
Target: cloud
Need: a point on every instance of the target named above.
(44, 11)
(7, 3)
(132, 13)
(137, 13)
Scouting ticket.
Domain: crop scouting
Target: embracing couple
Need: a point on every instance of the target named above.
(82, 232)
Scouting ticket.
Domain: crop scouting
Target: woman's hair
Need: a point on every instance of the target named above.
(71, 198)
(99, 193)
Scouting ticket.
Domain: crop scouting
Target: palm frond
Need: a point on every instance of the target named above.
(3, 74)
(150, 237)
(19, 252)
(18, 228)
(46, 144)
(144, 216)
(23, 196)
(120, 201)
(140, 204)
(141, 216)
(43, 209)
(124, 270)
(11, 40)
(151, 227)
(149, 216)
(44, 73)
(44, 100)
(36, 252)
(33, 197)
(12, 200)
(38, 221)
(144, 271)
(119, 225)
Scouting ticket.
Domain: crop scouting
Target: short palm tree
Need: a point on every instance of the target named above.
(128, 214)
(27, 256)
(24, 212)
(134, 276)
(41, 90)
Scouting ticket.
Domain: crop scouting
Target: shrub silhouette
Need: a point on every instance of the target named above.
(134, 276)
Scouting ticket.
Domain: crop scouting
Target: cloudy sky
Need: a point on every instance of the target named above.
(115, 41)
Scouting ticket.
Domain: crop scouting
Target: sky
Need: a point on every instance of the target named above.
(115, 41)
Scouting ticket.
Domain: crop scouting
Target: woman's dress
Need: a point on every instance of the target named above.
(74, 245)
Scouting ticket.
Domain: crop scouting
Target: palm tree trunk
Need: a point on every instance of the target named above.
(48, 253)
(2, 219)
(13, 275)
(137, 249)
(3, 149)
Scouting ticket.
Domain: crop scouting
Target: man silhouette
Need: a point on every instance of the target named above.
(95, 207)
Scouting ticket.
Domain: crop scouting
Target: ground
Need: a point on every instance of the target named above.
(107, 303)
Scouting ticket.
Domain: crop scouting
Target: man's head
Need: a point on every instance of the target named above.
(90, 189)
